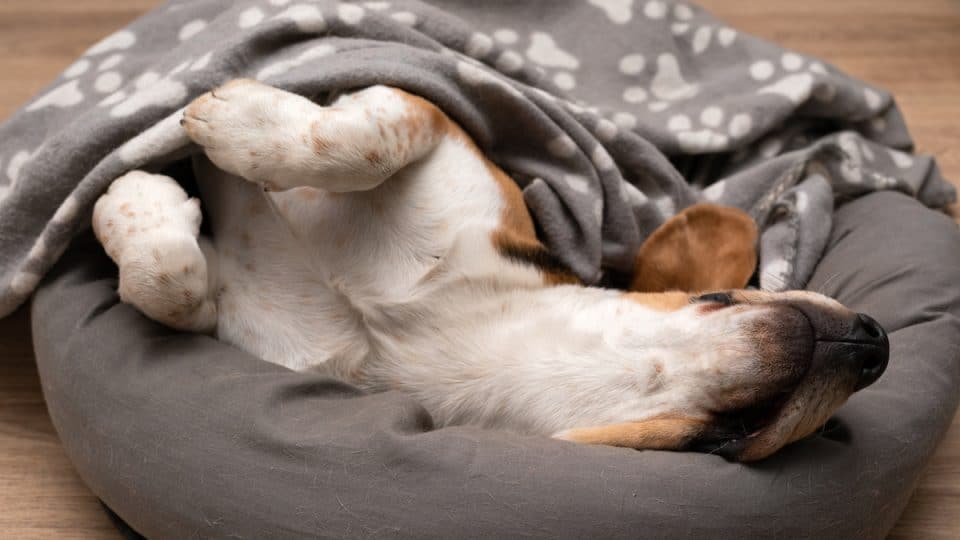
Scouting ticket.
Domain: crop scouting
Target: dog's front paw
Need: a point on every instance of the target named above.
(166, 277)
(252, 130)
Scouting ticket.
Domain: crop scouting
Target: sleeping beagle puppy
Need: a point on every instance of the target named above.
(373, 240)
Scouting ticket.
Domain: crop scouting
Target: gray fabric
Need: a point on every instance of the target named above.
(184, 436)
(591, 106)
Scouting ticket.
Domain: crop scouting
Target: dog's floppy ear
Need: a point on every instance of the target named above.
(705, 247)
(661, 433)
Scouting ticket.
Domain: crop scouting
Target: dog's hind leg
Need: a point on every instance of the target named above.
(149, 227)
(281, 140)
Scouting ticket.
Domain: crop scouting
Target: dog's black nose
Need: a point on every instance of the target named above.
(872, 349)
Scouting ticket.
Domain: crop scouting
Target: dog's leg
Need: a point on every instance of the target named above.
(281, 140)
(149, 227)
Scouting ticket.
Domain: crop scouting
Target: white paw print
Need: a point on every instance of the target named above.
(544, 51)
(12, 171)
(701, 35)
(306, 18)
(16, 163)
(65, 95)
(77, 68)
(619, 11)
(191, 29)
(709, 131)
(350, 14)
(149, 89)
(124, 39)
(666, 86)
(794, 78)
(250, 17)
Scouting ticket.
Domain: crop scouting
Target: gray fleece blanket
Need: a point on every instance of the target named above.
(611, 115)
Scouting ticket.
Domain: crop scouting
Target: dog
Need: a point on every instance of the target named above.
(372, 239)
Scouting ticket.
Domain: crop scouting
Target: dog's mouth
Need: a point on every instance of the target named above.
(730, 433)
(848, 353)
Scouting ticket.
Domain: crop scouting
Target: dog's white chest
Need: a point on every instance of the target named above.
(298, 269)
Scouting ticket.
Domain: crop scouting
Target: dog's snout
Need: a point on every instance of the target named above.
(849, 337)
(872, 348)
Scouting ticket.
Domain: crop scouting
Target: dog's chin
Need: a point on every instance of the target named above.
(758, 431)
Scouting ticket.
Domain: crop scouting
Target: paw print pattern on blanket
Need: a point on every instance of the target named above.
(796, 79)
(702, 35)
(18, 160)
(709, 131)
(306, 18)
(141, 93)
(191, 29)
(65, 95)
(619, 11)
(405, 18)
(666, 85)
(106, 79)
(665, 77)
(118, 41)
(250, 17)
(543, 50)
(149, 90)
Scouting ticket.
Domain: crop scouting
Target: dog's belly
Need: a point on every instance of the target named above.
(300, 270)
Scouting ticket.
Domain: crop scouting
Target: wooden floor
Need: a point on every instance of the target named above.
(909, 47)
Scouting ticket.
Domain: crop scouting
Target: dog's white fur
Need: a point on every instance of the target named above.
(360, 238)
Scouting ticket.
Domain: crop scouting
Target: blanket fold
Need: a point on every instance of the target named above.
(612, 115)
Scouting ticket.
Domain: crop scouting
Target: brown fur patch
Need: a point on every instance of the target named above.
(373, 157)
(661, 432)
(516, 237)
(663, 301)
(705, 247)
(522, 249)
(430, 118)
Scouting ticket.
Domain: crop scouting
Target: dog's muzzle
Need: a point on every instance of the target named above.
(859, 340)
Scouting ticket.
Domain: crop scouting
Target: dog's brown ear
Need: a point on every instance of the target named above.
(703, 248)
(659, 433)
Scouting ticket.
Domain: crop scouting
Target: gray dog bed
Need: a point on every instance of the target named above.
(184, 436)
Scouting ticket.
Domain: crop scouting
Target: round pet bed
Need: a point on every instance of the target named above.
(184, 436)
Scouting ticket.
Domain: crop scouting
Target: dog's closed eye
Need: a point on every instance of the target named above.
(716, 298)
